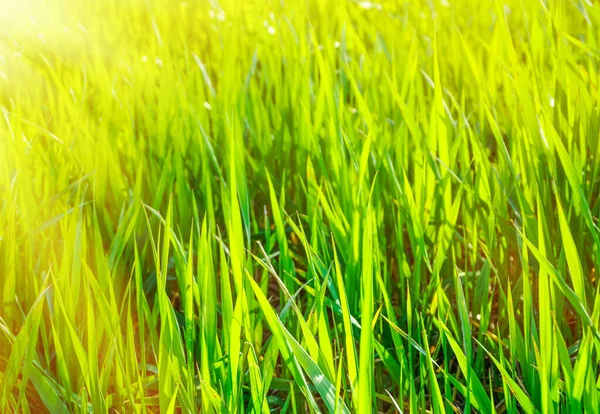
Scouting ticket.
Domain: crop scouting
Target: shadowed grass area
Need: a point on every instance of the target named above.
(299, 206)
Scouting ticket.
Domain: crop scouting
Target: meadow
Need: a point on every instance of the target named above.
(299, 206)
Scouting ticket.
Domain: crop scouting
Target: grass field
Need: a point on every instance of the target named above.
(299, 206)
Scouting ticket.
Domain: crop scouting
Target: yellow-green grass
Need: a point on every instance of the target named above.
(299, 206)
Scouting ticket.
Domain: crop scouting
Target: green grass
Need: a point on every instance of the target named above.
(299, 206)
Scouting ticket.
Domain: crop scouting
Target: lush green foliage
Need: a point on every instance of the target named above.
(299, 206)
